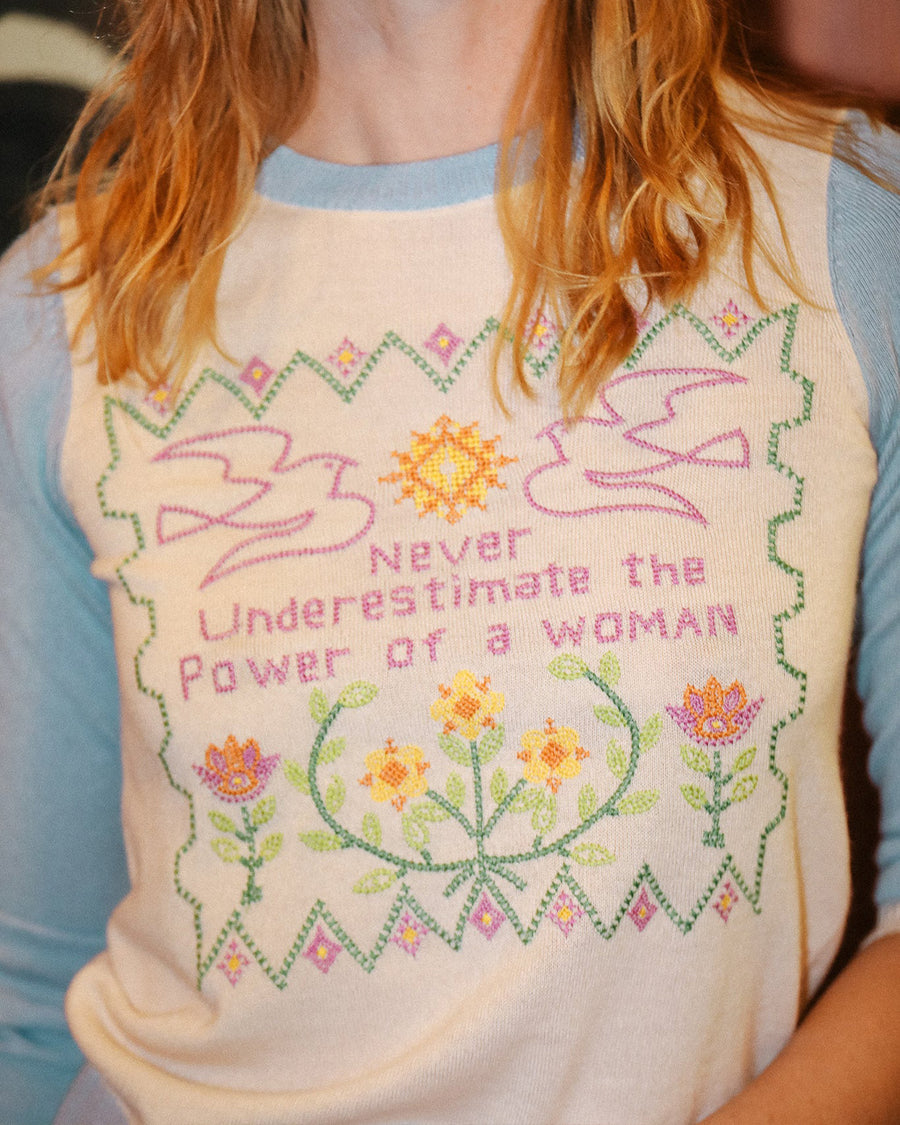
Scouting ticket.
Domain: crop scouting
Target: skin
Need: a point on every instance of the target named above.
(415, 79)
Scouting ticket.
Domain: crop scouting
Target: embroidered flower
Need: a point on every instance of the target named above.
(257, 375)
(468, 705)
(642, 910)
(347, 357)
(160, 399)
(410, 934)
(552, 755)
(731, 318)
(443, 343)
(715, 716)
(726, 901)
(395, 773)
(565, 912)
(234, 963)
(322, 951)
(542, 333)
(486, 918)
(236, 773)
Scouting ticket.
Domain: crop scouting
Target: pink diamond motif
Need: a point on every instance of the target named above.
(233, 963)
(486, 918)
(542, 333)
(160, 399)
(347, 357)
(642, 910)
(322, 951)
(443, 342)
(257, 375)
(409, 934)
(565, 913)
(731, 319)
(726, 901)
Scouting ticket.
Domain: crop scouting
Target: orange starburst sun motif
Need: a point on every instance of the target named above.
(448, 470)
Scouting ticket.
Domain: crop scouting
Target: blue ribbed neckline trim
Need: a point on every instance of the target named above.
(288, 177)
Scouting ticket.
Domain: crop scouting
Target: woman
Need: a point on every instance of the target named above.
(481, 635)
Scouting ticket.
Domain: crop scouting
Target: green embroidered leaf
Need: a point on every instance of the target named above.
(695, 758)
(318, 706)
(744, 788)
(544, 816)
(491, 744)
(592, 855)
(745, 761)
(357, 694)
(415, 833)
(375, 882)
(527, 801)
(609, 669)
(262, 812)
(222, 822)
(694, 796)
(271, 846)
(616, 759)
(226, 849)
(639, 802)
(297, 776)
(650, 732)
(335, 795)
(499, 786)
(587, 802)
(429, 811)
(455, 749)
(612, 716)
(321, 841)
(371, 829)
(332, 750)
(456, 790)
(567, 666)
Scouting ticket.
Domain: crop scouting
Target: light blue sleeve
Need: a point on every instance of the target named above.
(864, 243)
(61, 853)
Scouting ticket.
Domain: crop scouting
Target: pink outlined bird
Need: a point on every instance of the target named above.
(290, 507)
(620, 460)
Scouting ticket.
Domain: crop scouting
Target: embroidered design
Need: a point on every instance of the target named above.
(238, 774)
(347, 357)
(410, 934)
(322, 951)
(642, 910)
(726, 901)
(565, 913)
(468, 705)
(542, 334)
(257, 375)
(552, 755)
(443, 342)
(486, 918)
(716, 717)
(448, 469)
(730, 319)
(288, 502)
(234, 963)
(161, 399)
(396, 773)
(585, 476)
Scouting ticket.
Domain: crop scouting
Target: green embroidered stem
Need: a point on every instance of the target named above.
(253, 862)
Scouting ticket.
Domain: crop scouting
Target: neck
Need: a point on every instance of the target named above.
(401, 80)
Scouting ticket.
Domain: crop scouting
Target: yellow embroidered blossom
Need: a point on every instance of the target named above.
(395, 773)
(552, 755)
(468, 705)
